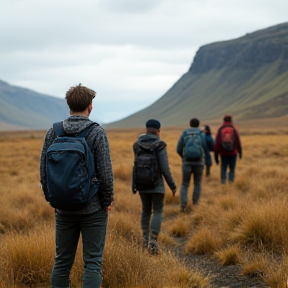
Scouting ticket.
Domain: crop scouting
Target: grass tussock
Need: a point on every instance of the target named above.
(264, 226)
(133, 268)
(255, 267)
(276, 274)
(23, 260)
(181, 226)
(171, 211)
(228, 202)
(229, 256)
(203, 242)
(128, 230)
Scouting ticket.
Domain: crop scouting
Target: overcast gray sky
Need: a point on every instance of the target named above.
(129, 51)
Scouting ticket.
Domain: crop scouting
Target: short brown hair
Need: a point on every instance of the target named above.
(79, 97)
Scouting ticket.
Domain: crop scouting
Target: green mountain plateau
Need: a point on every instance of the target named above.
(246, 77)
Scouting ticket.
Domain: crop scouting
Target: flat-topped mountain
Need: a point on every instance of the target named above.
(247, 77)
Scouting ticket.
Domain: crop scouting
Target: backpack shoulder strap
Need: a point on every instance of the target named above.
(58, 129)
(159, 145)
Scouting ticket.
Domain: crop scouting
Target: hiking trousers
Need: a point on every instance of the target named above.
(151, 202)
(187, 171)
(68, 228)
(228, 161)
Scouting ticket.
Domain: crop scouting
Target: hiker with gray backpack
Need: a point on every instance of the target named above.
(193, 150)
(77, 181)
(150, 166)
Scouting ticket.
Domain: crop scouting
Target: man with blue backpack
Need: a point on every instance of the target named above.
(77, 180)
(193, 150)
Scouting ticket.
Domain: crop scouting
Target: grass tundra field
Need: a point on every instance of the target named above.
(244, 224)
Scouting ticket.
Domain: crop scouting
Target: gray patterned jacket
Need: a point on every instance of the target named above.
(98, 143)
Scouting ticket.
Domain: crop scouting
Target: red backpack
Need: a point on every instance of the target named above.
(227, 134)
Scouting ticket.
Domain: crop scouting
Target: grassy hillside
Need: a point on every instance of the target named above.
(246, 77)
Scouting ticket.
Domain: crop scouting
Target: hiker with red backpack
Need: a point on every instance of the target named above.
(150, 166)
(228, 145)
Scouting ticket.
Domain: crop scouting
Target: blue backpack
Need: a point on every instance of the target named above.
(193, 146)
(70, 170)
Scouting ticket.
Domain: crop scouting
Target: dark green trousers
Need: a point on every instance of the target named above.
(93, 230)
(152, 203)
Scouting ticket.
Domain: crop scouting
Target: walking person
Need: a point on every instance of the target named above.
(84, 209)
(210, 145)
(228, 145)
(150, 166)
(193, 150)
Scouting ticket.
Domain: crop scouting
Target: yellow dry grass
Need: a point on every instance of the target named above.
(243, 223)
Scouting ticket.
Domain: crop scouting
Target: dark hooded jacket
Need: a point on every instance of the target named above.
(147, 141)
(98, 143)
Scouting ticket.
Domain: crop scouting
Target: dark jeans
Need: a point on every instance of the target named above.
(187, 171)
(208, 170)
(68, 228)
(155, 202)
(228, 161)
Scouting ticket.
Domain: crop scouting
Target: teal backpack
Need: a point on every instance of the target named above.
(193, 146)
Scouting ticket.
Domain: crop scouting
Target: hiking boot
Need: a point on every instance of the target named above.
(183, 209)
(145, 241)
(153, 245)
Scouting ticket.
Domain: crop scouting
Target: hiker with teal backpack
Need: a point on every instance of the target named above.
(193, 150)
(150, 167)
(77, 181)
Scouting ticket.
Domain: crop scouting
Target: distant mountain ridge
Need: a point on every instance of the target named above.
(246, 76)
(22, 109)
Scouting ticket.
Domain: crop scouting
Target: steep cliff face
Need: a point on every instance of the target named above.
(246, 76)
(248, 52)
